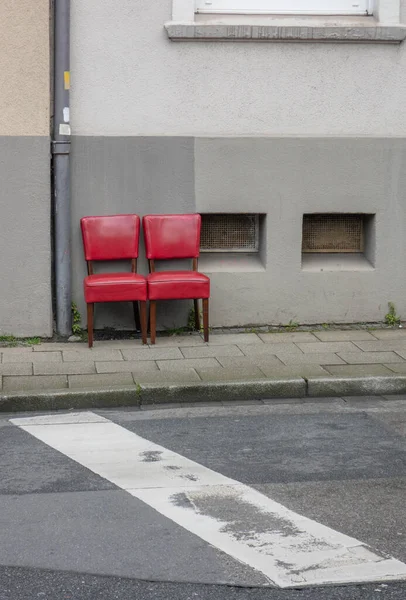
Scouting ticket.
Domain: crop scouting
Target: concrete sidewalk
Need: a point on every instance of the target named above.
(232, 366)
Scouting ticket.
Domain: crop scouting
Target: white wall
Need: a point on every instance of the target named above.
(129, 79)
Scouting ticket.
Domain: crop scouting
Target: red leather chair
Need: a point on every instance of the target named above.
(171, 237)
(107, 238)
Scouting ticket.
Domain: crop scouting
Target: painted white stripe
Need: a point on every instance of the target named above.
(287, 548)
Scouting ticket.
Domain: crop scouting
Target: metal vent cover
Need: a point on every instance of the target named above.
(229, 233)
(333, 233)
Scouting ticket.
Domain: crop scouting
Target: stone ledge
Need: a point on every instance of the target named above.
(389, 34)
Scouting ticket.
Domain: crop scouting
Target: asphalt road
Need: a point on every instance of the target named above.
(67, 532)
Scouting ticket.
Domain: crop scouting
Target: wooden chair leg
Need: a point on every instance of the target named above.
(197, 315)
(90, 313)
(206, 319)
(152, 319)
(143, 312)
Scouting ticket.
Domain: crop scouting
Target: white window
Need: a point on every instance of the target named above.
(315, 7)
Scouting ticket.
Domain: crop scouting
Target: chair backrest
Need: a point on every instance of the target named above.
(172, 236)
(111, 237)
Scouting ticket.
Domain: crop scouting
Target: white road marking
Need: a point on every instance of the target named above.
(289, 549)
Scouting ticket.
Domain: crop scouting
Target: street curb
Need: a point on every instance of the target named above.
(150, 394)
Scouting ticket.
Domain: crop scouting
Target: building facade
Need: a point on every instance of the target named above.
(287, 132)
(25, 199)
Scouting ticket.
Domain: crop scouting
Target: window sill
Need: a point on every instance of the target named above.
(272, 28)
(317, 263)
(228, 262)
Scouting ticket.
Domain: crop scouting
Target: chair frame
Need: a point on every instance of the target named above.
(205, 301)
(140, 314)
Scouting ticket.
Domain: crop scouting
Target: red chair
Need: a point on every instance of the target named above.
(113, 238)
(171, 237)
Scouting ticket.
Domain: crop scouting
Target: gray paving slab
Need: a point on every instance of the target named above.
(237, 362)
(25, 368)
(64, 368)
(211, 351)
(126, 366)
(151, 353)
(389, 334)
(16, 351)
(324, 358)
(358, 370)
(167, 377)
(55, 346)
(177, 341)
(285, 371)
(225, 374)
(291, 336)
(344, 336)
(223, 339)
(34, 357)
(401, 352)
(100, 380)
(187, 363)
(382, 345)
(367, 358)
(333, 347)
(397, 367)
(71, 531)
(94, 354)
(34, 382)
(267, 349)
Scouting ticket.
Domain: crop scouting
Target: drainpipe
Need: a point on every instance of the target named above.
(61, 168)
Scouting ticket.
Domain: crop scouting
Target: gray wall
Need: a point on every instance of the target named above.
(280, 177)
(279, 129)
(25, 264)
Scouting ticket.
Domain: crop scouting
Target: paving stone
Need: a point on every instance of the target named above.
(366, 358)
(237, 362)
(292, 336)
(187, 363)
(127, 366)
(344, 336)
(224, 339)
(57, 347)
(241, 374)
(389, 334)
(358, 370)
(64, 368)
(282, 371)
(151, 353)
(34, 382)
(334, 347)
(1, 382)
(178, 341)
(34, 357)
(401, 353)
(186, 376)
(100, 380)
(395, 367)
(208, 351)
(267, 349)
(382, 345)
(92, 354)
(327, 358)
(16, 368)
(18, 350)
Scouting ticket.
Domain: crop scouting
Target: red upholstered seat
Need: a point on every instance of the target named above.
(115, 287)
(171, 237)
(113, 237)
(170, 285)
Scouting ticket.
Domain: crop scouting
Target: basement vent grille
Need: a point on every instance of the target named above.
(229, 233)
(333, 233)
